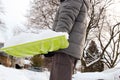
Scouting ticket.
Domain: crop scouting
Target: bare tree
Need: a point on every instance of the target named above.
(110, 45)
(42, 13)
(17, 30)
(97, 14)
(97, 25)
(2, 24)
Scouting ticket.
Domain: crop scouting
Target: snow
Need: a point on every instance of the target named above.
(27, 62)
(89, 64)
(29, 37)
(7, 73)
(23, 74)
(14, 74)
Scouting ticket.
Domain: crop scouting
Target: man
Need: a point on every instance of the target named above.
(70, 18)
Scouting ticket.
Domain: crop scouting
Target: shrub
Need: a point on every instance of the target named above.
(37, 61)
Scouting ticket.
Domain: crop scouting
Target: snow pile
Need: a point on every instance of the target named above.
(110, 74)
(92, 76)
(14, 74)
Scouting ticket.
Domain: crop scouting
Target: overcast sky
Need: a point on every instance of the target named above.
(14, 10)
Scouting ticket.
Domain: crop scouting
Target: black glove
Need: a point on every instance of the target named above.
(50, 54)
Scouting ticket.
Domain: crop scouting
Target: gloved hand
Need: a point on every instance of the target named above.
(50, 54)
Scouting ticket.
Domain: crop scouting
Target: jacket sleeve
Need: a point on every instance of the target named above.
(68, 12)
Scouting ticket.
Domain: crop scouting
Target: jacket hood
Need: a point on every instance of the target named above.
(87, 3)
(61, 0)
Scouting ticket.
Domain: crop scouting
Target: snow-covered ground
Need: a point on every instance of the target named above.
(23, 74)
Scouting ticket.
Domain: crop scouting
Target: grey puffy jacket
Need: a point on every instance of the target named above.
(71, 18)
